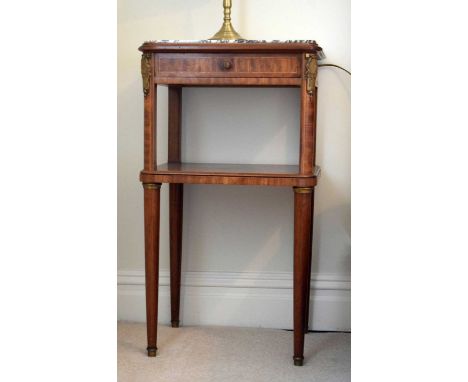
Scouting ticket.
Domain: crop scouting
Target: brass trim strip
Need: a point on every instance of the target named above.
(146, 72)
(311, 72)
(151, 186)
(303, 190)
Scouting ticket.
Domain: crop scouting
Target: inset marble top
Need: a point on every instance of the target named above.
(242, 41)
(226, 46)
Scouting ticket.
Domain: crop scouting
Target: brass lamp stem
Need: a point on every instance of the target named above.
(227, 5)
(227, 31)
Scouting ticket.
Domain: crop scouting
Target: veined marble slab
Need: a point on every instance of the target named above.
(235, 41)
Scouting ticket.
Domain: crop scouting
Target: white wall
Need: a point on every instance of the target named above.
(233, 228)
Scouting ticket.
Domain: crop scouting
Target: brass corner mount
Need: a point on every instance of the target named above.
(146, 72)
(311, 73)
(227, 31)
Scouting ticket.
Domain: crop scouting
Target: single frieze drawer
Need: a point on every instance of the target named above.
(227, 65)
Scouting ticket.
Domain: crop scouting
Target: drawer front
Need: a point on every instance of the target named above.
(228, 65)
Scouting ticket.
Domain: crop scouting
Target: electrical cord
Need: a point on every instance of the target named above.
(336, 66)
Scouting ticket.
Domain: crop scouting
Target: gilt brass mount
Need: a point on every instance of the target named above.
(311, 72)
(146, 72)
(227, 31)
(151, 186)
(303, 190)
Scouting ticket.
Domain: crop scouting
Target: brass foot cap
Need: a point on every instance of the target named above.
(151, 351)
(175, 323)
(298, 361)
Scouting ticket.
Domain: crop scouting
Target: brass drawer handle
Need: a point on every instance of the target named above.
(227, 65)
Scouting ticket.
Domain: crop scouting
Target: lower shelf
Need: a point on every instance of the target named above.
(231, 174)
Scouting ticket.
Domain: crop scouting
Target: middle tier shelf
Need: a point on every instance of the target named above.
(235, 174)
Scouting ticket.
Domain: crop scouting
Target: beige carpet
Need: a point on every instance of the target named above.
(223, 354)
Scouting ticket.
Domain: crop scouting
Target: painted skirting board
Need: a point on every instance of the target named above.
(254, 299)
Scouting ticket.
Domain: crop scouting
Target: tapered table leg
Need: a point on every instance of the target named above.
(302, 242)
(309, 266)
(151, 201)
(176, 197)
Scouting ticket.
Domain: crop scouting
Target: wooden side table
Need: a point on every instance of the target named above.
(240, 63)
